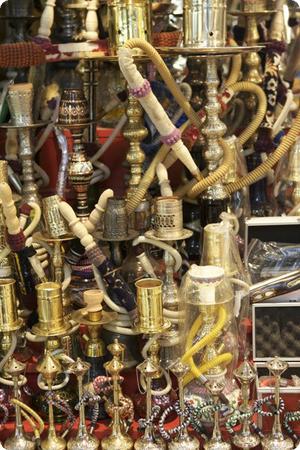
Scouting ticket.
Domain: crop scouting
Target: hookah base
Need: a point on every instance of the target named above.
(246, 441)
(117, 442)
(216, 445)
(277, 443)
(53, 443)
(184, 443)
(146, 444)
(86, 442)
(22, 442)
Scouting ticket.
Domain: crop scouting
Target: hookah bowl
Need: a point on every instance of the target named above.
(277, 440)
(73, 114)
(19, 441)
(9, 320)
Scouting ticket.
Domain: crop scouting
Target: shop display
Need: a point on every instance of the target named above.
(142, 304)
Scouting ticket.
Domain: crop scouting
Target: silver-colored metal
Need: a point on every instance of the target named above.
(213, 130)
(277, 440)
(215, 442)
(20, 99)
(205, 23)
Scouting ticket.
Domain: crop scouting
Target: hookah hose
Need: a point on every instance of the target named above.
(21, 54)
(260, 171)
(235, 66)
(196, 372)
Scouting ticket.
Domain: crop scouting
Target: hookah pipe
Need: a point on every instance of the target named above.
(115, 282)
(16, 238)
(291, 416)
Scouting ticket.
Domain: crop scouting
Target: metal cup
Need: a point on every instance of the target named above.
(20, 98)
(168, 220)
(204, 23)
(50, 310)
(115, 220)
(9, 320)
(55, 224)
(150, 305)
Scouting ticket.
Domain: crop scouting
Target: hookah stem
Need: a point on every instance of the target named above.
(148, 406)
(116, 412)
(277, 425)
(81, 408)
(181, 398)
(245, 396)
(57, 262)
(51, 431)
(216, 431)
(19, 428)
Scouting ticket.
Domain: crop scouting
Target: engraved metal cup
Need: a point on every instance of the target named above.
(20, 98)
(55, 224)
(204, 23)
(9, 320)
(115, 219)
(128, 19)
(168, 219)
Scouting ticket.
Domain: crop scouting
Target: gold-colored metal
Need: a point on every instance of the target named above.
(149, 441)
(20, 99)
(216, 442)
(73, 114)
(49, 367)
(83, 439)
(56, 226)
(93, 317)
(150, 307)
(118, 439)
(50, 311)
(293, 175)
(128, 19)
(245, 374)
(154, 357)
(168, 220)
(183, 441)
(19, 441)
(277, 440)
(9, 320)
(5, 266)
(135, 132)
(204, 23)
(216, 248)
(116, 222)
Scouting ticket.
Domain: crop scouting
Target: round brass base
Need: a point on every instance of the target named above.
(184, 443)
(87, 442)
(117, 442)
(277, 443)
(146, 444)
(22, 442)
(53, 443)
(246, 441)
(217, 445)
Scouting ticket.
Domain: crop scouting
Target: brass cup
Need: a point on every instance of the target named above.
(94, 316)
(50, 310)
(19, 99)
(55, 224)
(149, 305)
(9, 320)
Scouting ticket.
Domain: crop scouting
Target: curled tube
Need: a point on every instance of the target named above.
(26, 408)
(42, 385)
(283, 114)
(208, 338)
(235, 66)
(172, 251)
(196, 372)
(10, 352)
(260, 171)
(21, 382)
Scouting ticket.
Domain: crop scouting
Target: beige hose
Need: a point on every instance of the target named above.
(235, 66)
(263, 168)
(247, 86)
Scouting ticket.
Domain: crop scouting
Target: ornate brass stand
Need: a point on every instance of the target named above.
(118, 439)
(216, 442)
(49, 367)
(276, 440)
(83, 440)
(19, 441)
(245, 374)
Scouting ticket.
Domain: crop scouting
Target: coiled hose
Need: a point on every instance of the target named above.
(260, 171)
(235, 66)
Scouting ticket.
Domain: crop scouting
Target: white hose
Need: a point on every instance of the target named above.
(110, 140)
(10, 352)
(240, 283)
(67, 277)
(34, 338)
(35, 221)
(21, 382)
(172, 251)
(283, 115)
(164, 391)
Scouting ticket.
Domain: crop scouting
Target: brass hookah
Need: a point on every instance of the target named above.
(216, 442)
(245, 439)
(19, 441)
(73, 115)
(149, 441)
(5, 265)
(10, 322)
(293, 177)
(277, 440)
(118, 439)
(20, 99)
(83, 439)
(49, 367)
